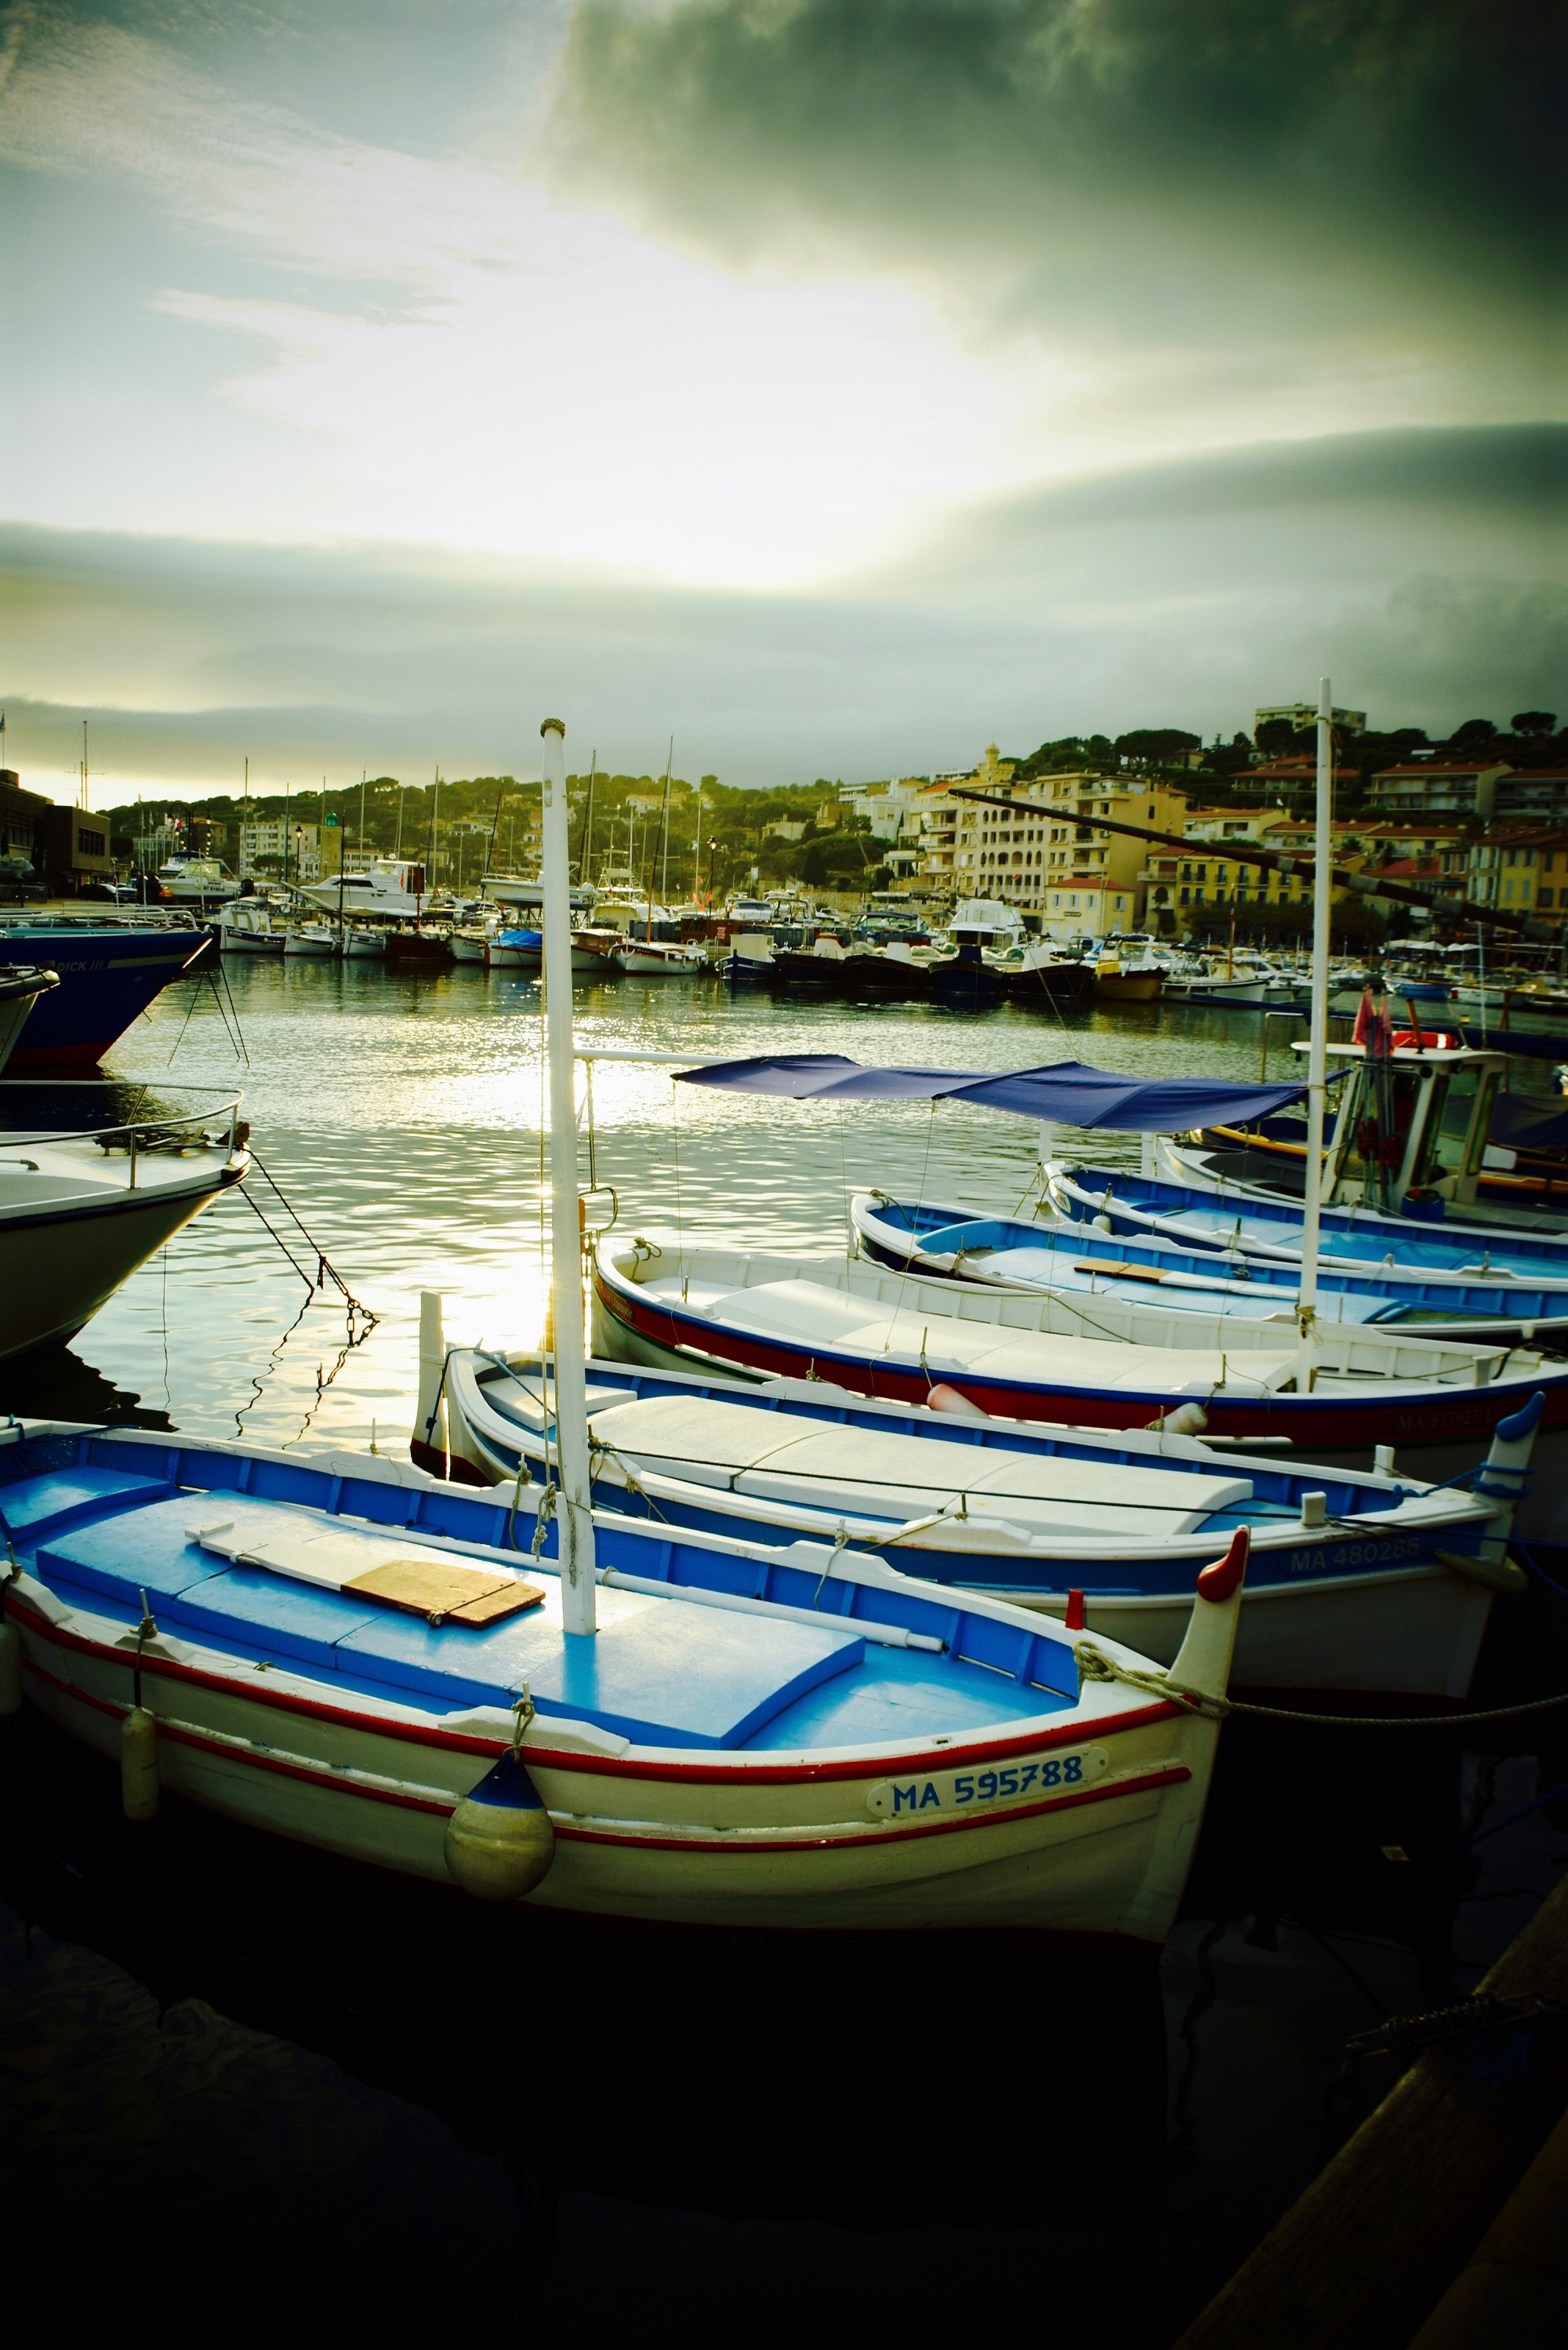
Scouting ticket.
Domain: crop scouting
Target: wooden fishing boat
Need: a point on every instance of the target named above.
(1081, 1260)
(1389, 1593)
(660, 959)
(1253, 1221)
(416, 948)
(311, 939)
(343, 1652)
(596, 953)
(1119, 982)
(1094, 1363)
(1407, 1150)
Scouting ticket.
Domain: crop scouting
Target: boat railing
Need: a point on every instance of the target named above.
(107, 917)
(137, 1137)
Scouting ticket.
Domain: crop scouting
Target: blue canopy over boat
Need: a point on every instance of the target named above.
(1067, 1093)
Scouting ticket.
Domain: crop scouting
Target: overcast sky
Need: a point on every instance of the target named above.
(837, 384)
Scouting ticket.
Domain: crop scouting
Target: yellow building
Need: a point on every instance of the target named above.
(1045, 846)
(1198, 883)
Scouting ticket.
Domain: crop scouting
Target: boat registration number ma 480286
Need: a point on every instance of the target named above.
(960, 1791)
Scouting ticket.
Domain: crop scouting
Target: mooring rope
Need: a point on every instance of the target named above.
(1096, 1666)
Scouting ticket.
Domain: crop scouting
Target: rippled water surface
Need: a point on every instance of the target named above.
(400, 1115)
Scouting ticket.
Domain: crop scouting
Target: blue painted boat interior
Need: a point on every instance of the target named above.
(1392, 1294)
(102, 1519)
(1365, 1233)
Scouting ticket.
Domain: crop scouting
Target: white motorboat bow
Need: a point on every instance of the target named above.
(81, 1208)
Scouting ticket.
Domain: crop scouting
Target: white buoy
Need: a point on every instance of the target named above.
(499, 1840)
(139, 1764)
(10, 1668)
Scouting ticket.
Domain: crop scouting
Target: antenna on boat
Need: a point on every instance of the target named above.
(1317, 1059)
(574, 1511)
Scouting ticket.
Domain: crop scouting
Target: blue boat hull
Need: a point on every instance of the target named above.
(108, 979)
(948, 1244)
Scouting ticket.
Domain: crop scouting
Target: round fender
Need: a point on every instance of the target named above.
(499, 1840)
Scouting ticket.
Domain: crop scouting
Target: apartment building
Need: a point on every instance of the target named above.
(1191, 889)
(1538, 792)
(1209, 823)
(1043, 851)
(1523, 870)
(1426, 788)
(1302, 714)
(281, 841)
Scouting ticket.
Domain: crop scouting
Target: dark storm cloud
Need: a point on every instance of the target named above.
(1359, 496)
(1060, 131)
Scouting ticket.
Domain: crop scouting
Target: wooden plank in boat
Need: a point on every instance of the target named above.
(443, 1594)
(1122, 1272)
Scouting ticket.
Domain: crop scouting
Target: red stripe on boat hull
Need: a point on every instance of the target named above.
(1468, 1413)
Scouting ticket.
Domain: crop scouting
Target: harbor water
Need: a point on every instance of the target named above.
(400, 1117)
(675, 2131)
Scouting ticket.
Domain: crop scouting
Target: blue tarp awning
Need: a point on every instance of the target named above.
(1066, 1092)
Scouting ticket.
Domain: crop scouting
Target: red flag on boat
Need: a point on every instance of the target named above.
(1373, 1026)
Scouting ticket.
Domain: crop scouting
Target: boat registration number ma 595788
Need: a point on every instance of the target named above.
(962, 1790)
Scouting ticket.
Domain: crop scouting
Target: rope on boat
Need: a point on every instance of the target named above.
(1096, 1666)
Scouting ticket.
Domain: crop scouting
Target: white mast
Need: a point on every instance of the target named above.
(1317, 1059)
(574, 1511)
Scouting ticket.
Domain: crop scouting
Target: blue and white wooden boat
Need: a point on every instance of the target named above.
(1041, 1356)
(752, 1736)
(1008, 1253)
(1367, 1582)
(1250, 1223)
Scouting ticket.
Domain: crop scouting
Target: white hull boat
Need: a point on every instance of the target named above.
(246, 928)
(515, 950)
(340, 1652)
(21, 984)
(651, 958)
(79, 1211)
(316, 939)
(1389, 1595)
(1107, 1364)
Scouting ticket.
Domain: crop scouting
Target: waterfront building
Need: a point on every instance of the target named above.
(21, 814)
(1209, 824)
(1045, 850)
(1521, 868)
(1197, 889)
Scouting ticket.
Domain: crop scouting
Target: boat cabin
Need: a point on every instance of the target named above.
(1409, 1124)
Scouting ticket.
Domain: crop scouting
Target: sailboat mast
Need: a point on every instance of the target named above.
(1317, 1057)
(664, 829)
(574, 1511)
(584, 861)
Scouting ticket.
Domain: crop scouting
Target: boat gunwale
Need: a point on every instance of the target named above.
(728, 1767)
